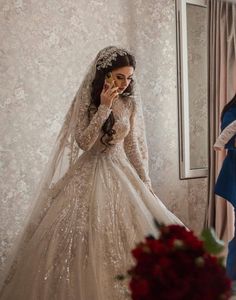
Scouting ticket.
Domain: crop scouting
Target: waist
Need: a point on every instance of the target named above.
(230, 148)
(111, 150)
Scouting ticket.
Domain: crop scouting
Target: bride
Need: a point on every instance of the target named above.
(95, 201)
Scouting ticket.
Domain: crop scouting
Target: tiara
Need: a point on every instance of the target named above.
(108, 55)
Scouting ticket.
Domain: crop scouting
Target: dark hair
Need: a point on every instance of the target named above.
(97, 86)
(228, 106)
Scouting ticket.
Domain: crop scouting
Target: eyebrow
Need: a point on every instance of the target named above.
(124, 75)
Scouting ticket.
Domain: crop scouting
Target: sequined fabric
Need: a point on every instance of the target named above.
(107, 55)
(98, 211)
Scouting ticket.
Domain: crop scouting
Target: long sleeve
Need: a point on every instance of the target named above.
(136, 148)
(87, 131)
(226, 135)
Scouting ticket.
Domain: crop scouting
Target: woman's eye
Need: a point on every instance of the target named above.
(122, 78)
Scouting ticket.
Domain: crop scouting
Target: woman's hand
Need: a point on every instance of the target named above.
(217, 148)
(108, 94)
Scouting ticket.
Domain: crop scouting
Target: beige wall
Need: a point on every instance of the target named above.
(45, 49)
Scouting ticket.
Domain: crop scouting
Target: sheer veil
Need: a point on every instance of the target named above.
(63, 158)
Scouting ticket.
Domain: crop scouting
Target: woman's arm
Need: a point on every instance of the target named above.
(225, 135)
(88, 131)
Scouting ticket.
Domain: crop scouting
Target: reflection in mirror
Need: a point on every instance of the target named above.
(192, 87)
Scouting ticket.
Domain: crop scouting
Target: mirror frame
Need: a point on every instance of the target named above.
(185, 171)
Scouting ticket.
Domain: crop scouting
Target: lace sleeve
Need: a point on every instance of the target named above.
(226, 135)
(136, 147)
(87, 131)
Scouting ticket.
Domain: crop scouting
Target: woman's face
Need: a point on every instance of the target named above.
(123, 77)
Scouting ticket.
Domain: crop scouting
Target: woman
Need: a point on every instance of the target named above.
(92, 207)
(226, 182)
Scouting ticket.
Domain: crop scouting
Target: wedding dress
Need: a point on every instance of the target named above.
(92, 216)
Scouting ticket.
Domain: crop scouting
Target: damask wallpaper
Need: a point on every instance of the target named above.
(46, 47)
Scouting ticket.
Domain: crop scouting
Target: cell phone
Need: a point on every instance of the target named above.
(109, 79)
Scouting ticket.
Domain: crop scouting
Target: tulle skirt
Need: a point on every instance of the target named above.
(85, 238)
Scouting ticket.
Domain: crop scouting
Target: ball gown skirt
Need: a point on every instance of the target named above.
(85, 238)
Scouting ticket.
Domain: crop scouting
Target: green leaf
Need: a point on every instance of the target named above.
(212, 244)
(221, 261)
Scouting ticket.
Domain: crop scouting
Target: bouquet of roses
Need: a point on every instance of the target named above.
(178, 266)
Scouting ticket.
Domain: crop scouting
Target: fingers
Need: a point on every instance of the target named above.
(114, 90)
(114, 95)
(107, 85)
(108, 94)
(109, 91)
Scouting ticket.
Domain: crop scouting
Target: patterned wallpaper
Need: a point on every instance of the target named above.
(45, 49)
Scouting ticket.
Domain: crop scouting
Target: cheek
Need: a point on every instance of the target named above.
(128, 83)
(118, 82)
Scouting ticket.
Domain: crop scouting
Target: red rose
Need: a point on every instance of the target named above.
(176, 267)
(140, 288)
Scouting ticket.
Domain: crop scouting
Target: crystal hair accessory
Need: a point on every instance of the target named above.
(107, 55)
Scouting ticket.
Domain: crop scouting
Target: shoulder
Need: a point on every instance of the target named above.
(232, 109)
(230, 115)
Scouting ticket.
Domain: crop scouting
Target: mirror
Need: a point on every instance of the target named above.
(192, 87)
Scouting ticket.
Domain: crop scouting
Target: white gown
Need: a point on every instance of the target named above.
(84, 240)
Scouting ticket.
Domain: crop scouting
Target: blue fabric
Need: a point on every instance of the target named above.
(231, 258)
(228, 118)
(226, 181)
(226, 188)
